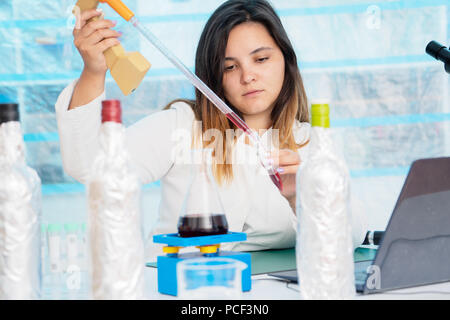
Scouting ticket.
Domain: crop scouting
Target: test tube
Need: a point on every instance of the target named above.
(54, 256)
(43, 249)
(84, 260)
(54, 247)
(72, 244)
(72, 268)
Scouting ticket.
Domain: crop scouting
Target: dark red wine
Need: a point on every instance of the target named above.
(197, 225)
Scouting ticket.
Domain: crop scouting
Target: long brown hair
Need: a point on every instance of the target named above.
(291, 103)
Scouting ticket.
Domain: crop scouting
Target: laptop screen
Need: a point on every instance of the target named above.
(415, 249)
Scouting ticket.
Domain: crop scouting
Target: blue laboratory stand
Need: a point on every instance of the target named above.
(209, 247)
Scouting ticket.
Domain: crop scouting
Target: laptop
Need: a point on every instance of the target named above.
(415, 248)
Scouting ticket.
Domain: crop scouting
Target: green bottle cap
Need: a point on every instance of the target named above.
(320, 114)
(53, 227)
(71, 227)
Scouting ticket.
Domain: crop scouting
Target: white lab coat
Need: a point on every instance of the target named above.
(252, 203)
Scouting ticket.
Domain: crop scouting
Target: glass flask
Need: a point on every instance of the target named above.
(202, 213)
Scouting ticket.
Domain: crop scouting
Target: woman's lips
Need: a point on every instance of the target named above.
(252, 93)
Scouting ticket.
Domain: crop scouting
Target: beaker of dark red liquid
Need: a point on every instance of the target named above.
(202, 212)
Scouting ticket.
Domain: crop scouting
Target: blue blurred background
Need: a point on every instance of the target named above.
(389, 100)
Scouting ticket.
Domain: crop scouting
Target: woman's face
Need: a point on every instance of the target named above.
(254, 71)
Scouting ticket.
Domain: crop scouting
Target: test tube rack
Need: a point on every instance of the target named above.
(209, 247)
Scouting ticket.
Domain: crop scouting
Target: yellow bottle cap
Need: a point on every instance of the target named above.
(320, 114)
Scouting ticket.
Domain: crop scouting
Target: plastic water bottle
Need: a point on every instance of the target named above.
(324, 240)
(116, 243)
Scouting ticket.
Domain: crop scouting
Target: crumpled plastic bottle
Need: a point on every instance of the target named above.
(117, 258)
(20, 213)
(324, 240)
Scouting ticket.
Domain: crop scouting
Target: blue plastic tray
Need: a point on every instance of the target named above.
(173, 239)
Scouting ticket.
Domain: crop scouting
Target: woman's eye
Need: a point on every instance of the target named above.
(262, 59)
(229, 68)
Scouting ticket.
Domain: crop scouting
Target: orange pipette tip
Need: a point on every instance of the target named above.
(120, 8)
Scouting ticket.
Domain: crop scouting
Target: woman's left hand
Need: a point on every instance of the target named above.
(287, 163)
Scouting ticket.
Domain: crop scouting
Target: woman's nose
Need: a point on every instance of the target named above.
(247, 76)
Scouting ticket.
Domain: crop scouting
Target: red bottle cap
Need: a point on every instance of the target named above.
(111, 111)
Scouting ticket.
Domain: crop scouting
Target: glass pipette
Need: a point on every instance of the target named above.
(128, 15)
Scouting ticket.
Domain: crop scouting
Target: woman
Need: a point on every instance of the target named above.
(245, 56)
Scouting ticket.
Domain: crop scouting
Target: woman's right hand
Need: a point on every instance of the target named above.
(92, 38)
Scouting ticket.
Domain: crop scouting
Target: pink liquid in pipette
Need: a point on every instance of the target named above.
(238, 122)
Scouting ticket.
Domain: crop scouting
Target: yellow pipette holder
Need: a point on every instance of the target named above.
(127, 69)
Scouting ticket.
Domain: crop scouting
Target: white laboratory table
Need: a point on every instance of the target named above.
(265, 287)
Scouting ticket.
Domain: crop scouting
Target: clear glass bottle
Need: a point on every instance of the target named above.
(324, 240)
(202, 212)
(117, 258)
(20, 213)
